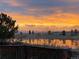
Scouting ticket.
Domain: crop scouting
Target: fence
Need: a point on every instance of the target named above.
(28, 52)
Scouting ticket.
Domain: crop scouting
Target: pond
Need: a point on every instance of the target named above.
(55, 43)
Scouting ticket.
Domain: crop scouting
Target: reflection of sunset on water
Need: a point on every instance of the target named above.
(53, 43)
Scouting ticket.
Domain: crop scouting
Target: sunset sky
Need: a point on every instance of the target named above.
(42, 12)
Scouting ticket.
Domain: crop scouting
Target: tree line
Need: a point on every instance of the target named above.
(72, 32)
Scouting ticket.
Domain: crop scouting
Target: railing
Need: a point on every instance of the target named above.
(27, 52)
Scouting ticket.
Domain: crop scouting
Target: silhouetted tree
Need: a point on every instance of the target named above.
(72, 32)
(64, 32)
(49, 32)
(29, 31)
(75, 31)
(32, 32)
(7, 27)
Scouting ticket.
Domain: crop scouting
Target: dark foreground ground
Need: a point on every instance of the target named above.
(28, 52)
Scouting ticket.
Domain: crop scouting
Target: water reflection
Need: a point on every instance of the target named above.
(68, 43)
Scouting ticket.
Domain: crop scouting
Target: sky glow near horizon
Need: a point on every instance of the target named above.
(42, 12)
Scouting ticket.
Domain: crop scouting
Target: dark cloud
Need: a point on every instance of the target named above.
(40, 7)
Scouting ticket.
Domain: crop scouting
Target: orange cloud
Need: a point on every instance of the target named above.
(53, 19)
(14, 3)
(61, 20)
(11, 2)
